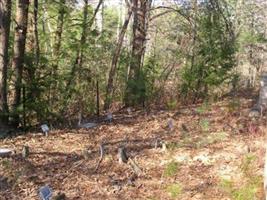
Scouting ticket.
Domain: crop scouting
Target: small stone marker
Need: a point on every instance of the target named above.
(5, 152)
(129, 111)
(45, 129)
(45, 193)
(170, 125)
(109, 117)
(164, 146)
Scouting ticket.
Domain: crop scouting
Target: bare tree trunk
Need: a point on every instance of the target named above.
(59, 31)
(97, 99)
(99, 18)
(194, 27)
(47, 29)
(30, 92)
(33, 42)
(120, 20)
(115, 59)
(5, 15)
(140, 25)
(36, 34)
(18, 57)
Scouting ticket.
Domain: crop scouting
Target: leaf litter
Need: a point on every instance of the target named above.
(208, 146)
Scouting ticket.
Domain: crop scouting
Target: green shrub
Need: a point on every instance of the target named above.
(171, 104)
(204, 124)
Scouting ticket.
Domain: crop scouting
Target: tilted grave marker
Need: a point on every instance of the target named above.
(45, 129)
(109, 117)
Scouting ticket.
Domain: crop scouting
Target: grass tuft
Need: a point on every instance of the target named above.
(171, 169)
(174, 190)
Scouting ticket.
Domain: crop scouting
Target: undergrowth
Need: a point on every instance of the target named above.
(174, 190)
(171, 169)
(249, 187)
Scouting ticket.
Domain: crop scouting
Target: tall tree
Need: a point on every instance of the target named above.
(33, 44)
(115, 58)
(194, 31)
(21, 22)
(57, 49)
(36, 35)
(80, 51)
(136, 86)
(58, 34)
(5, 14)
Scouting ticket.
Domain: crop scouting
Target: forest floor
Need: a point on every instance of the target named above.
(213, 152)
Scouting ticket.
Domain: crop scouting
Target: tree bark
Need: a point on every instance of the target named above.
(18, 57)
(115, 59)
(5, 15)
(194, 30)
(140, 25)
(33, 45)
(36, 34)
(59, 31)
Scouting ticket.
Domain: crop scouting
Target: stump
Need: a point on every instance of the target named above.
(122, 156)
(260, 107)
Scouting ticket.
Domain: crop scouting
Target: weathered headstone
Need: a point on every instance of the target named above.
(170, 125)
(25, 152)
(109, 117)
(45, 193)
(45, 129)
(129, 111)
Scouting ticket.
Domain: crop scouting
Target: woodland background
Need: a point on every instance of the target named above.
(65, 59)
(173, 84)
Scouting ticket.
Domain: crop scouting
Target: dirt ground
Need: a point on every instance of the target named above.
(212, 152)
